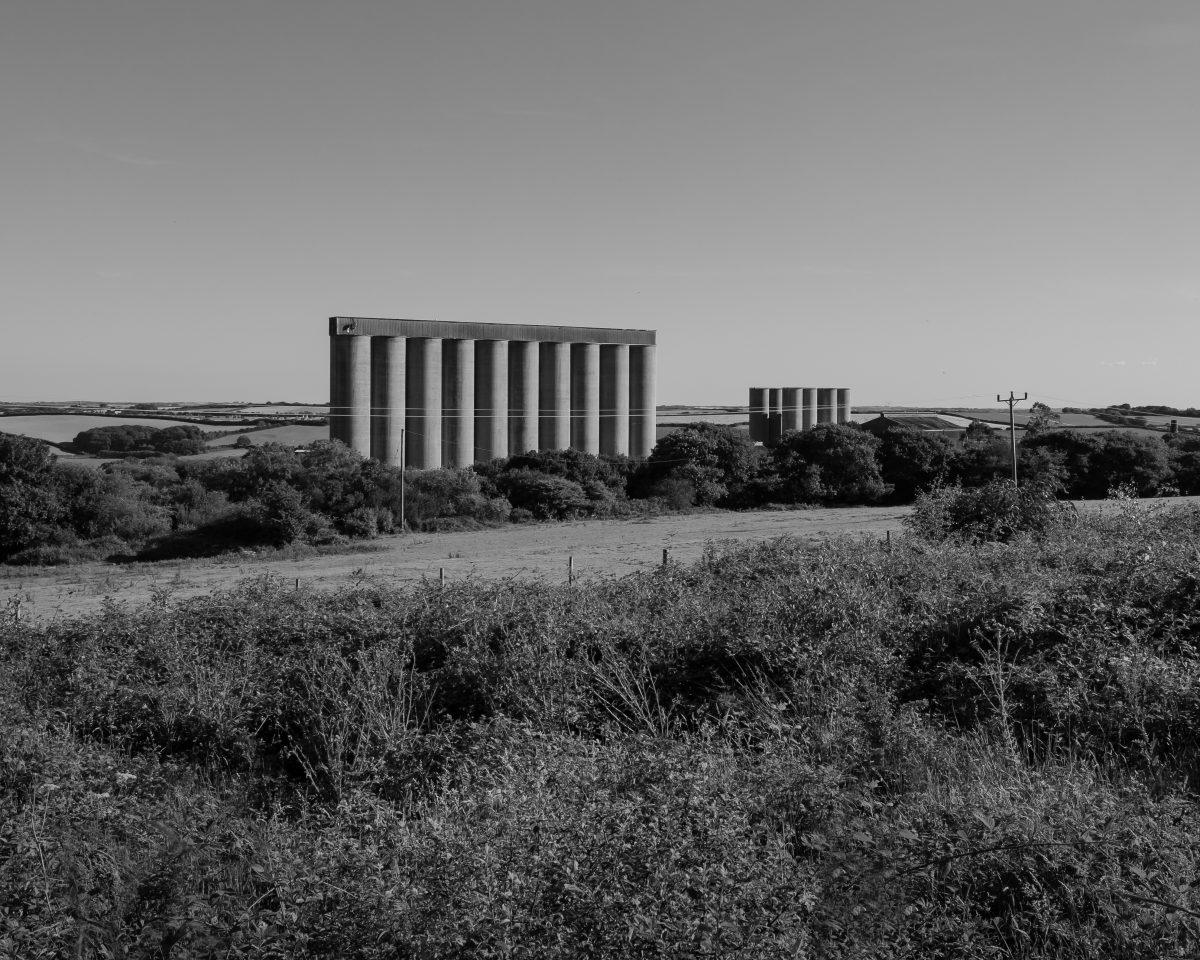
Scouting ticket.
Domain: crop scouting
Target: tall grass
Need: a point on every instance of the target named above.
(942, 749)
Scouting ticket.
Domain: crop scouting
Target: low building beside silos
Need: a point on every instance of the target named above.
(775, 411)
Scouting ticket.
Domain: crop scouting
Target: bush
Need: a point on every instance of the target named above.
(717, 462)
(545, 497)
(995, 512)
(831, 463)
(952, 749)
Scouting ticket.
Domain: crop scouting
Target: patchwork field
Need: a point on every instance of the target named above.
(63, 428)
(292, 435)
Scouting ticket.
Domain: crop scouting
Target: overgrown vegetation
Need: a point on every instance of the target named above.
(164, 507)
(984, 746)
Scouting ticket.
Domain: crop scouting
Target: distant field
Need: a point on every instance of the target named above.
(292, 435)
(62, 429)
(283, 411)
(703, 417)
(1000, 415)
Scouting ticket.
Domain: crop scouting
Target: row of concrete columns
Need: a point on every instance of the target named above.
(463, 401)
(775, 411)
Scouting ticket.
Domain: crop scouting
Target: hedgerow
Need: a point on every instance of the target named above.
(945, 748)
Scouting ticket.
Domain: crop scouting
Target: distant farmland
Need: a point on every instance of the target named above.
(291, 435)
(59, 428)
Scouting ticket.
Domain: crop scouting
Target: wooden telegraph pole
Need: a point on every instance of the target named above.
(402, 454)
(1012, 399)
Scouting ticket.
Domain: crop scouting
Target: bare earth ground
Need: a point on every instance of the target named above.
(598, 548)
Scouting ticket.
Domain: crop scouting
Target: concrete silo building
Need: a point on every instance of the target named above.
(775, 411)
(457, 393)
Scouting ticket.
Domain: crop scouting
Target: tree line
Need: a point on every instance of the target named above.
(275, 497)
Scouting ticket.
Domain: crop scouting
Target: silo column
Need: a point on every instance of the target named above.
(790, 415)
(585, 397)
(643, 418)
(843, 405)
(808, 407)
(423, 432)
(350, 392)
(491, 399)
(826, 405)
(760, 408)
(775, 416)
(458, 403)
(522, 396)
(554, 392)
(614, 399)
(388, 375)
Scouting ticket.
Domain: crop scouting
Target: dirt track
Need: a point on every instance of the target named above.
(599, 548)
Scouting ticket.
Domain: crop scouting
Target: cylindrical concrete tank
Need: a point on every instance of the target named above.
(554, 392)
(843, 405)
(458, 403)
(423, 433)
(760, 409)
(790, 418)
(585, 397)
(614, 399)
(350, 392)
(808, 407)
(826, 405)
(775, 415)
(491, 399)
(388, 358)
(523, 360)
(643, 416)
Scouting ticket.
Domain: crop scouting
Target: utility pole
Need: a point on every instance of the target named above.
(1012, 399)
(402, 452)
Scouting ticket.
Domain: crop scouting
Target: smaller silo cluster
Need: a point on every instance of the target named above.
(775, 411)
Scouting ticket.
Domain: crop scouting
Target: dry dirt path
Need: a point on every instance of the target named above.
(598, 547)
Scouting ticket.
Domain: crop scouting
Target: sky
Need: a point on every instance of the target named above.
(928, 201)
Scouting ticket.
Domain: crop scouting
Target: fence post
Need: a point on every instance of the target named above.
(666, 556)
(441, 578)
(570, 569)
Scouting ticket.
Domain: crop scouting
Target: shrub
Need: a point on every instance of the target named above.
(717, 462)
(997, 511)
(831, 463)
(545, 497)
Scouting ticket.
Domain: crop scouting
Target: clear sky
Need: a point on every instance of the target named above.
(930, 201)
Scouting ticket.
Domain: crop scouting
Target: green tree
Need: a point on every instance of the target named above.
(716, 460)
(911, 460)
(1041, 418)
(1184, 454)
(546, 497)
(831, 463)
(22, 458)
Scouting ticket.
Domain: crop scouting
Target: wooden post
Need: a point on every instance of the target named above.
(666, 556)
(297, 584)
(570, 569)
(441, 578)
(403, 521)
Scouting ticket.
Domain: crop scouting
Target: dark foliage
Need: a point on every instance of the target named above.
(831, 463)
(701, 464)
(126, 438)
(954, 750)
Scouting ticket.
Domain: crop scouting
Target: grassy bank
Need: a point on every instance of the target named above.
(787, 750)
